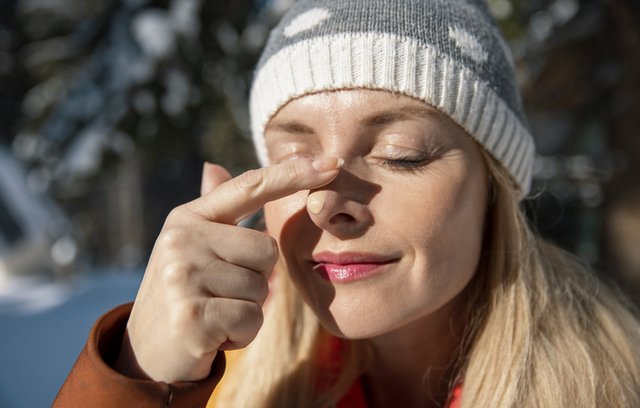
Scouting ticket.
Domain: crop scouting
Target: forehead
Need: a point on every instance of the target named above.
(369, 107)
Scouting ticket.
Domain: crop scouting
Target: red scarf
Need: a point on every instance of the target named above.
(330, 358)
(354, 398)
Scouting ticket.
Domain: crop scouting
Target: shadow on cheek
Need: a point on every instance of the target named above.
(298, 237)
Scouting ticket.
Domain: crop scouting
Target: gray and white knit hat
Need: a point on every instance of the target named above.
(448, 53)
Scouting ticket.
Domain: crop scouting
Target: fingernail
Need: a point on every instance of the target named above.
(325, 164)
(315, 202)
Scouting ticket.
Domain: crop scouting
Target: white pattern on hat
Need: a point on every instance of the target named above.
(306, 21)
(468, 44)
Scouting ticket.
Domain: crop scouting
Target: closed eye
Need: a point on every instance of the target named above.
(407, 163)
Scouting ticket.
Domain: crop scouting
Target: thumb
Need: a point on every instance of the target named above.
(212, 176)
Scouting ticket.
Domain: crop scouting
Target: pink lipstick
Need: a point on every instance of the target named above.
(349, 266)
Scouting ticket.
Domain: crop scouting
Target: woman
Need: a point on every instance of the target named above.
(396, 154)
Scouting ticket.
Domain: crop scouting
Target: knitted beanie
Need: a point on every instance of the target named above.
(447, 53)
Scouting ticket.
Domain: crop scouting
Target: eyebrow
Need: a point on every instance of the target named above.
(376, 119)
(399, 114)
(291, 127)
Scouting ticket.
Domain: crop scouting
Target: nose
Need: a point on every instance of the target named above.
(342, 207)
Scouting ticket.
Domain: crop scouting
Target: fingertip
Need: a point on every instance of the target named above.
(326, 164)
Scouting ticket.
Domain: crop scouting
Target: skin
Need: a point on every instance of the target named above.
(206, 279)
(412, 187)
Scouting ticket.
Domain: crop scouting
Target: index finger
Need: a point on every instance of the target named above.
(241, 196)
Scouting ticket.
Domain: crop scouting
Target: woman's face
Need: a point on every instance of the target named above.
(397, 234)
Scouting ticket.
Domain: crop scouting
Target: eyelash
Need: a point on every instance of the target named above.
(409, 164)
(406, 163)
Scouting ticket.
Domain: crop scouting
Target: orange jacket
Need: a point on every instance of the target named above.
(93, 383)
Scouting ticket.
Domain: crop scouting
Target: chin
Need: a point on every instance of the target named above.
(353, 320)
(355, 330)
(364, 317)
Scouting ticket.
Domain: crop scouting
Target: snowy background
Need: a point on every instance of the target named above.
(45, 325)
(109, 107)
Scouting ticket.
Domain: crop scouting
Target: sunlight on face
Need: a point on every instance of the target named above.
(397, 235)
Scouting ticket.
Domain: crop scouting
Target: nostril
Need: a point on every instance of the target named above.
(341, 218)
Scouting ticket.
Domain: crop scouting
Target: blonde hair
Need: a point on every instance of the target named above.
(542, 331)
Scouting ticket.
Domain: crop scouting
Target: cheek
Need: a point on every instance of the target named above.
(446, 230)
(442, 241)
(445, 203)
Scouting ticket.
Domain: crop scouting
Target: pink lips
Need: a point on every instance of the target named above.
(348, 267)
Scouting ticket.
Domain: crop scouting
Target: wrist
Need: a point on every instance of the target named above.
(126, 362)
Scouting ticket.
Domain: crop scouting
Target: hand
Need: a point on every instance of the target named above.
(207, 279)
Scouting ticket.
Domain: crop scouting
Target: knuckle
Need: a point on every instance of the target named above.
(209, 206)
(185, 313)
(262, 289)
(200, 345)
(254, 319)
(273, 249)
(270, 250)
(253, 315)
(255, 286)
(176, 214)
(173, 239)
(266, 252)
(296, 171)
(201, 350)
(247, 319)
(178, 273)
(213, 322)
(242, 344)
(250, 180)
